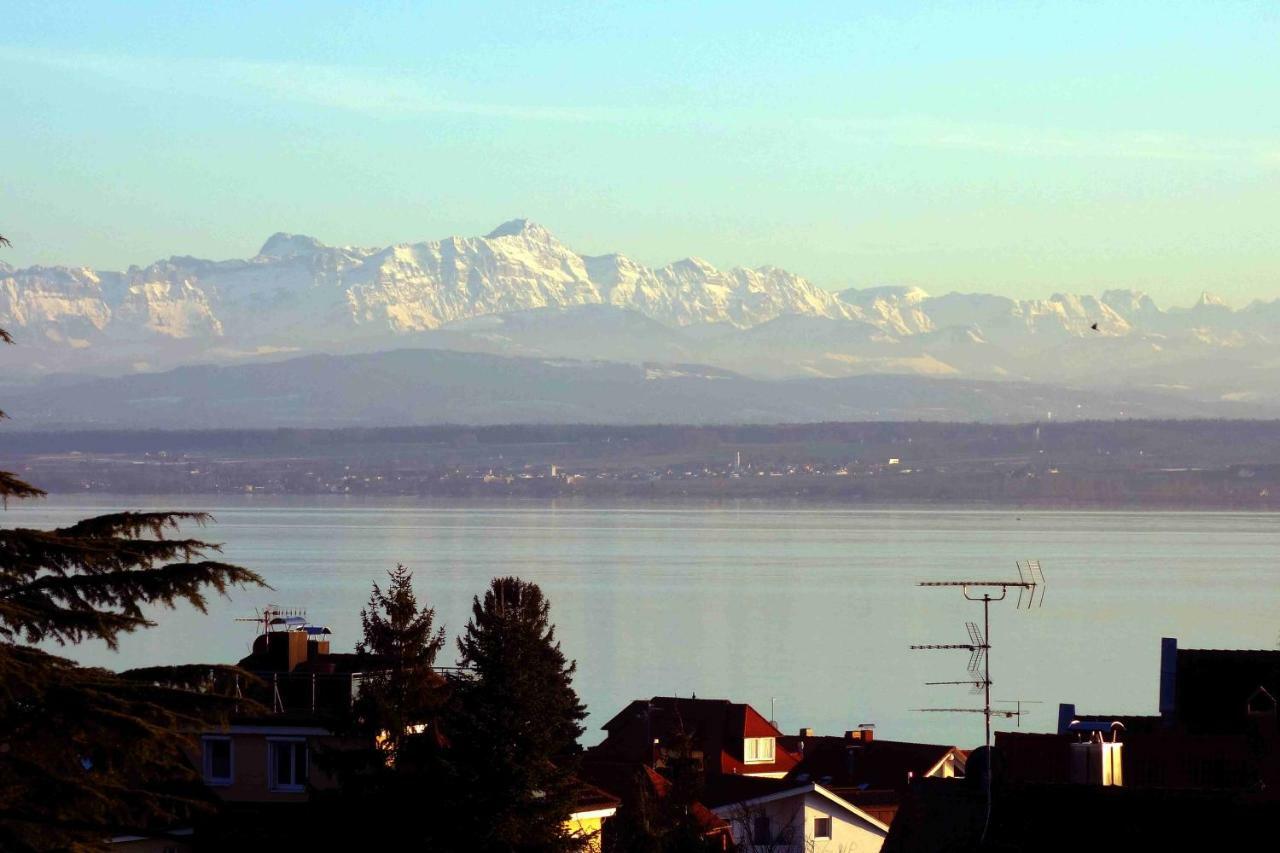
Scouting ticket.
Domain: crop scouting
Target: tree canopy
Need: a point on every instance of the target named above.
(400, 641)
(515, 732)
(85, 752)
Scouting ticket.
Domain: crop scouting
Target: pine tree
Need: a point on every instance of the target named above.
(660, 814)
(400, 644)
(85, 752)
(516, 727)
(406, 780)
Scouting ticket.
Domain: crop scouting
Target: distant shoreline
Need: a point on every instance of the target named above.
(1117, 465)
(635, 503)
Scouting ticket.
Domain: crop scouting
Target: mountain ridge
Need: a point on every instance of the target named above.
(299, 295)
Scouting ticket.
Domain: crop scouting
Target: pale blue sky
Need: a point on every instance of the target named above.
(1020, 148)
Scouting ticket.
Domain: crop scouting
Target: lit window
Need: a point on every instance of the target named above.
(287, 764)
(758, 750)
(217, 760)
(822, 827)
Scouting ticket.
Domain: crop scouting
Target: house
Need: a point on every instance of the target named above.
(784, 816)
(630, 782)
(1045, 818)
(870, 773)
(727, 738)
(592, 807)
(1200, 774)
(1217, 727)
(268, 757)
(812, 789)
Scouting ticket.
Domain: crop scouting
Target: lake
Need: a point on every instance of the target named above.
(812, 609)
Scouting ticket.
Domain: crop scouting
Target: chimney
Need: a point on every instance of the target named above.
(286, 649)
(1066, 715)
(1168, 677)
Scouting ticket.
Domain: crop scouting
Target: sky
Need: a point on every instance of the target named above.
(1021, 149)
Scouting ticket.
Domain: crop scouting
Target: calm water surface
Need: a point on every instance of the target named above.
(813, 607)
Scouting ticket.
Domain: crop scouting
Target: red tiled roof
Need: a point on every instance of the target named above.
(708, 821)
(716, 728)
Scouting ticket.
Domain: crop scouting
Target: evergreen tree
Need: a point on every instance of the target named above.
(85, 752)
(660, 813)
(404, 780)
(516, 724)
(400, 644)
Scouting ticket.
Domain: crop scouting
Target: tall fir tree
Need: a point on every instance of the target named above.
(400, 645)
(85, 752)
(516, 724)
(391, 760)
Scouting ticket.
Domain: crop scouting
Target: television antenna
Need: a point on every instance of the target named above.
(1019, 703)
(1030, 586)
(276, 618)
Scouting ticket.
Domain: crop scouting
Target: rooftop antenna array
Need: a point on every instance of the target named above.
(1030, 586)
(276, 618)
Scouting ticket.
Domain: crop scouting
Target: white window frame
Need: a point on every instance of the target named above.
(206, 764)
(753, 751)
(275, 784)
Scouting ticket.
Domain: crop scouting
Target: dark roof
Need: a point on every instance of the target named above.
(1131, 722)
(948, 815)
(716, 727)
(1213, 686)
(1160, 759)
(617, 778)
(874, 764)
(727, 790)
(587, 797)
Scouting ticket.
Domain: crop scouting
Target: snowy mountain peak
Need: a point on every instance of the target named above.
(521, 228)
(1129, 303)
(1209, 300)
(281, 245)
(520, 289)
(694, 264)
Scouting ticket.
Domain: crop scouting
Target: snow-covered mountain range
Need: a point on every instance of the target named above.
(520, 291)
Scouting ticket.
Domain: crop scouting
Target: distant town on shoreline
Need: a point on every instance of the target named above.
(1156, 464)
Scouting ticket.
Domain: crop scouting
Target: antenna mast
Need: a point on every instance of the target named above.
(1030, 581)
(1030, 585)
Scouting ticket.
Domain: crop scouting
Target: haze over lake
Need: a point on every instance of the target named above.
(815, 607)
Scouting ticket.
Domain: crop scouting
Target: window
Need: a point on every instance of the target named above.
(287, 764)
(761, 832)
(217, 760)
(822, 827)
(758, 750)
